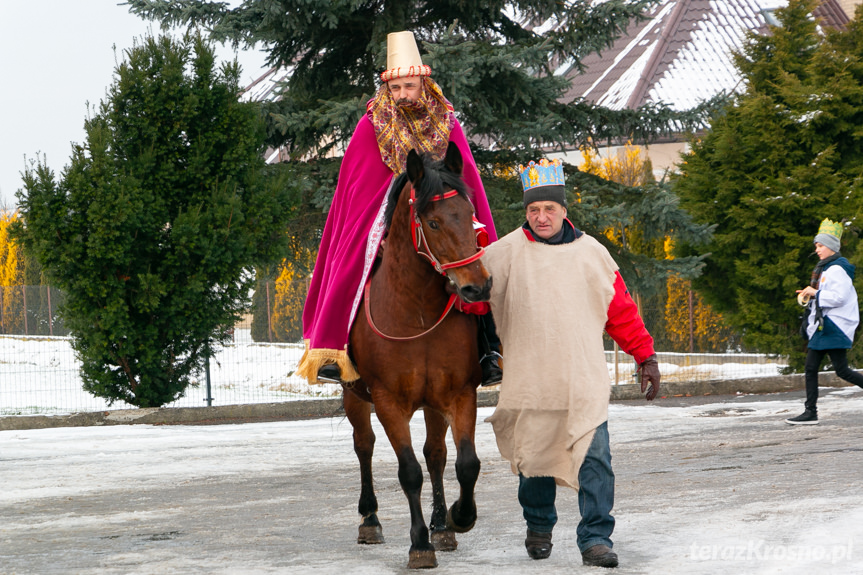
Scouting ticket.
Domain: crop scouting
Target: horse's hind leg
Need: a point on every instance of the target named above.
(442, 538)
(396, 423)
(359, 414)
(462, 514)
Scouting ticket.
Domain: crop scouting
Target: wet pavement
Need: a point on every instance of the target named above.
(704, 485)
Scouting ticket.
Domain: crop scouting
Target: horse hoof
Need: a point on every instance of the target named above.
(370, 535)
(451, 524)
(444, 540)
(422, 559)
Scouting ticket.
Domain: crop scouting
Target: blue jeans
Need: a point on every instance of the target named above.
(595, 496)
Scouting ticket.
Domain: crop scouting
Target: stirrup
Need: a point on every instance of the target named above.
(491, 354)
(330, 373)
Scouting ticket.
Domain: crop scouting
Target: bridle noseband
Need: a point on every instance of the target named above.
(422, 248)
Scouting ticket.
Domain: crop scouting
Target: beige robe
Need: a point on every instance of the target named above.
(550, 304)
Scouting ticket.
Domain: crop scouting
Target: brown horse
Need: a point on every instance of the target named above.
(404, 365)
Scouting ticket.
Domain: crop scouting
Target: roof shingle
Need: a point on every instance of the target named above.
(682, 55)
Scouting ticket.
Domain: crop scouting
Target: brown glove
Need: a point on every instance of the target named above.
(648, 375)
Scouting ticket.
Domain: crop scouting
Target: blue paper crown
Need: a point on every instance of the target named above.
(542, 173)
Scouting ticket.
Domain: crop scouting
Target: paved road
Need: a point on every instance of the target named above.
(704, 485)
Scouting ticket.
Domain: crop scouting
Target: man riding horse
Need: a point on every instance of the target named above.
(409, 111)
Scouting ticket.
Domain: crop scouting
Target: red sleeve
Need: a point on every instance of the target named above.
(625, 326)
(482, 238)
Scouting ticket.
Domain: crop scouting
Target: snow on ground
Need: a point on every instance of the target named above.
(695, 522)
(39, 375)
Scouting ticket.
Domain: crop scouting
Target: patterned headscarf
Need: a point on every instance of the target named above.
(423, 125)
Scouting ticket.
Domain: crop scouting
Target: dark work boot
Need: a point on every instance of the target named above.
(538, 545)
(330, 373)
(599, 556)
(492, 374)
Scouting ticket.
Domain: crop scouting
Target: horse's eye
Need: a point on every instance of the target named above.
(433, 224)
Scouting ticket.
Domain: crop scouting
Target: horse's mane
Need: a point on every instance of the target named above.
(436, 176)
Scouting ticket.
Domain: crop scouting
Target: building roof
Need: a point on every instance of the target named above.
(265, 88)
(681, 55)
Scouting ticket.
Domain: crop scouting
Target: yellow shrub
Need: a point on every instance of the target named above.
(627, 167)
(11, 278)
(708, 331)
(290, 297)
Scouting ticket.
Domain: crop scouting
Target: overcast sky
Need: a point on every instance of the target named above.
(55, 57)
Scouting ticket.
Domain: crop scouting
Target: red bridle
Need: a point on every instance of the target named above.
(422, 248)
(421, 244)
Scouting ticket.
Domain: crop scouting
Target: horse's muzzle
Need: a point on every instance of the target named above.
(472, 293)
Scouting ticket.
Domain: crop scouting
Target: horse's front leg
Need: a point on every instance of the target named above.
(359, 414)
(396, 422)
(462, 514)
(442, 538)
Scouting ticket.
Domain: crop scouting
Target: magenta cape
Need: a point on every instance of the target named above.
(348, 241)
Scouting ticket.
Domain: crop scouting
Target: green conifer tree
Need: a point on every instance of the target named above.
(654, 211)
(496, 68)
(153, 227)
(782, 156)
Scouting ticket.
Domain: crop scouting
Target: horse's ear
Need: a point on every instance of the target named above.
(453, 160)
(415, 167)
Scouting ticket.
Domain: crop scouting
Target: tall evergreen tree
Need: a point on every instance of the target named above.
(651, 213)
(783, 155)
(496, 62)
(153, 227)
(491, 60)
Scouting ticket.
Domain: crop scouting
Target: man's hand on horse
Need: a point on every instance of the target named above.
(649, 376)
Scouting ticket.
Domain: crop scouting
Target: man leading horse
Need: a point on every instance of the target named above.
(409, 111)
(556, 290)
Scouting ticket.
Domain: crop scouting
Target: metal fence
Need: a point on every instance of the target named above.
(31, 310)
(39, 373)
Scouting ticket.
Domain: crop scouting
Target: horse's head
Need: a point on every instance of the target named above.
(443, 229)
